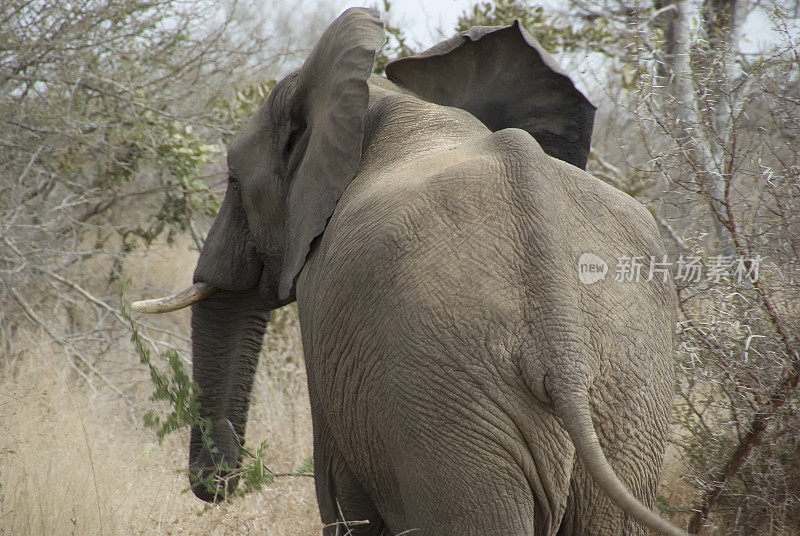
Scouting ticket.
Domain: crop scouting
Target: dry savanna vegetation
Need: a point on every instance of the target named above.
(114, 116)
(76, 459)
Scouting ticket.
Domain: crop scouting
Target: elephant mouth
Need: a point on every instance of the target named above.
(173, 302)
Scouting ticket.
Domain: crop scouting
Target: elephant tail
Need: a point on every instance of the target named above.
(577, 421)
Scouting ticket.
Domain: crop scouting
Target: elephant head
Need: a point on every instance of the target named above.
(287, 169)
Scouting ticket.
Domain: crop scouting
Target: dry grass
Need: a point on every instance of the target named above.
(75, 462)
(75, 458)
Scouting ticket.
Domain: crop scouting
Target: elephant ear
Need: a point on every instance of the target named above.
(331, 100)
(502, 76)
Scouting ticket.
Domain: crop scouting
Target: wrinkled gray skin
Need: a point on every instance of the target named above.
(462, 379)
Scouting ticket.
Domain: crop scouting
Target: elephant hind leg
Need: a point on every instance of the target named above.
(345, 507)
(590, 511)
(635, 453)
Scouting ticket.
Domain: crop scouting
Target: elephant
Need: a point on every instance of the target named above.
(429, 226)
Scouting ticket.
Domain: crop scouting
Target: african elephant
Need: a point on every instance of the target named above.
(462, 379)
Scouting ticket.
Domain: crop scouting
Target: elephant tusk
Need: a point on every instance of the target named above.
(182, 299)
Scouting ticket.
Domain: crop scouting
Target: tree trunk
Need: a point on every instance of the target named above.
(722, 24)
(704, 147)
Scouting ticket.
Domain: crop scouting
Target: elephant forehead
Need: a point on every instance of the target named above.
(248, 145)
(252, 141)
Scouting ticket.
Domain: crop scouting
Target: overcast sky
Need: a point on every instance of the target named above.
(426, 22)
(421, 18)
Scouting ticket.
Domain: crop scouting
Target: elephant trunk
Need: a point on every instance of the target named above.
(227, 333)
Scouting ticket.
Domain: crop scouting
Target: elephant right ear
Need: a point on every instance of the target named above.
(329, 108)
(502, 76)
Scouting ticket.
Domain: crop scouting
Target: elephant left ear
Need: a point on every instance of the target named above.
(330, 105)
(502, 76)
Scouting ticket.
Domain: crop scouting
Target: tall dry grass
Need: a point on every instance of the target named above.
(75, 458)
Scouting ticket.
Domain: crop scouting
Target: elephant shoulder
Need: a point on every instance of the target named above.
(563, 194)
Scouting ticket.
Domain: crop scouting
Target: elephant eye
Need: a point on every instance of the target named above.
(296, 132)
(233, 182)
